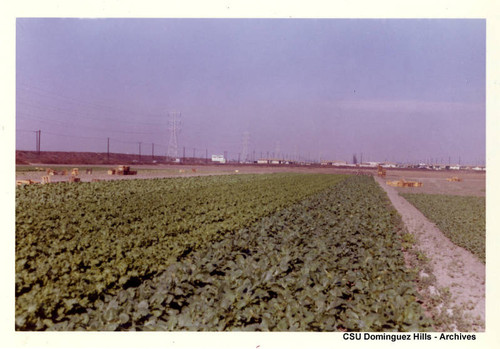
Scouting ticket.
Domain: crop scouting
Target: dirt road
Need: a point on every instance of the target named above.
(454, 268)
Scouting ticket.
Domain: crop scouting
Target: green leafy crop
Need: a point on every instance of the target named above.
(73, 242)
(461, 218)
(283, 252)
(332, 262)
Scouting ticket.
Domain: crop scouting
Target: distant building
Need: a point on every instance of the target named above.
(333, 163)
(438, 167)
(369, 164)
(388, 164)
(274, 162)
(218, 158)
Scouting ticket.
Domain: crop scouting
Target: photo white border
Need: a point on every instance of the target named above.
(487, 9)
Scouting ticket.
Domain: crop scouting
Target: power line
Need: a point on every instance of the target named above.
(71, 136)
(73, 100)
(87, 114)
(67, 123)
(38, 139)
(18, 130)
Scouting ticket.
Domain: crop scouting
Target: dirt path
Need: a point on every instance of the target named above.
(453, 267)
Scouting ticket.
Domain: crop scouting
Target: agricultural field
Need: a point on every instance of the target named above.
(434, 182)
(276, 252)
(461, 218)
(99, 172)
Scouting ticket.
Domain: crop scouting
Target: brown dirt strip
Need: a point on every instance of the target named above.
(454, 268)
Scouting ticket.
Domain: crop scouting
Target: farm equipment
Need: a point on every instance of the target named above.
(381, 172)
(404, 184)
(454, 179)
(121, 170)
(25, 182)
(51, 172)
(45, 180)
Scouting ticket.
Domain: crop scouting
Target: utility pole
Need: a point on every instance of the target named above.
(183, 154)
(37, 145)
(239, 158)
(38, 148)
(206, 155)
(152, 151)
(140, 151)
(108, 148)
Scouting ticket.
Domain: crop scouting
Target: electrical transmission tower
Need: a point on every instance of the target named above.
(174, 128)
(245, 145)
(277, 149)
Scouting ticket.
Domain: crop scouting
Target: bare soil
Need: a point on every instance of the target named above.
(452, 269)
(166, 170)
(434, 182)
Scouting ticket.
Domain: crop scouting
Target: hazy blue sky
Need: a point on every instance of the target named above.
(400, 90)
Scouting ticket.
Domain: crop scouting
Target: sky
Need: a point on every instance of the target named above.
(409, 90)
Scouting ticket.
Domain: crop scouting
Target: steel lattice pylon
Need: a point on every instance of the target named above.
(174, 128)
(245, 146)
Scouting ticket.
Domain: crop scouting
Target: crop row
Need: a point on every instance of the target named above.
(73, 242)
(331, 262)
(461, 218)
